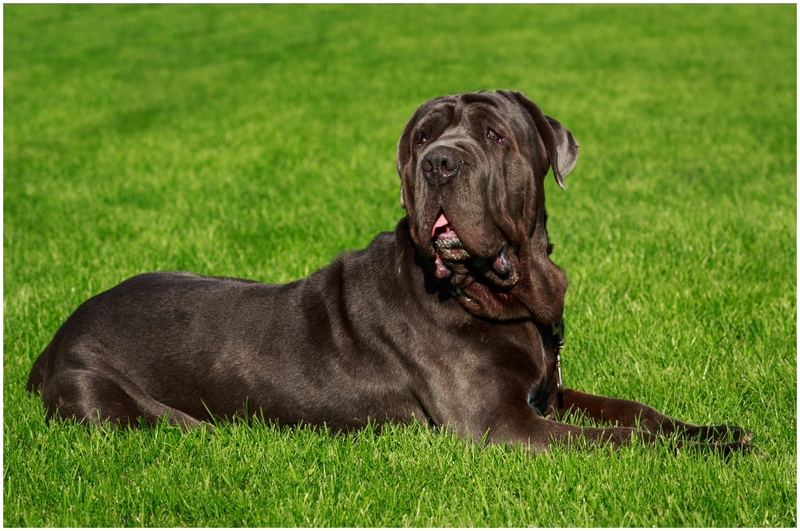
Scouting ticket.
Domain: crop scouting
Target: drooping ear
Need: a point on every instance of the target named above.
(567, 149)
(404, 144)
(404, 148)
(562, 149)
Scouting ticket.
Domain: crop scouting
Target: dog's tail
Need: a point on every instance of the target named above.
(36, 378)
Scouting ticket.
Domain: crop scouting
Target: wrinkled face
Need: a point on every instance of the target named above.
(472, 168)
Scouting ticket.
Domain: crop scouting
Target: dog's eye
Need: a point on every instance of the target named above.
(421, 139)
(491, 134)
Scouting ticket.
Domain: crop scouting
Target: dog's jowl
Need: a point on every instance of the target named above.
(453, 319)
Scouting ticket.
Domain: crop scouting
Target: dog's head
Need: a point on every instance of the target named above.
(472, 168)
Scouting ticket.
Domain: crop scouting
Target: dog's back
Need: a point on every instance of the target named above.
(194, 347)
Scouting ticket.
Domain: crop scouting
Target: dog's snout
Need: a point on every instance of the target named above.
(440, 166)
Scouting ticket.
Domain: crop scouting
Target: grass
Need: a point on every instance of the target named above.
(259, 141)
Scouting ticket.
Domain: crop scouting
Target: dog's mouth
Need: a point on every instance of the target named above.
(450, 250)
(454, 263)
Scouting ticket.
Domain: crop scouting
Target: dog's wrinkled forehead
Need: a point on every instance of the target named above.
(472, 114)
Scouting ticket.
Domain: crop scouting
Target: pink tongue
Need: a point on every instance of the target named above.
(440, 226)
(441, 221)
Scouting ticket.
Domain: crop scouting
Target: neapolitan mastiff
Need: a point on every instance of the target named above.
(453, 319)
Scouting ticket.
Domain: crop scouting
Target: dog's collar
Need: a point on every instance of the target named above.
(557, 329)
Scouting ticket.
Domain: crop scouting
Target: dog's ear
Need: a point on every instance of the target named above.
(404, 150)
(567, 149)
(404, 153)
(404, 147)
(562, 149)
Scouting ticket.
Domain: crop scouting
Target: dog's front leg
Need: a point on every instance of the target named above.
(523, 425)
(631, 413)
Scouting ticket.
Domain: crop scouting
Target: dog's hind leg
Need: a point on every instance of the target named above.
(36, 376)
(101, 397)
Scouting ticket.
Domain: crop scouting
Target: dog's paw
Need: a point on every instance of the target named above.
(731, 448)
(726, 449)
(723, 433)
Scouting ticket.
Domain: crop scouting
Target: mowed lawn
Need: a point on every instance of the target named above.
(259, 142)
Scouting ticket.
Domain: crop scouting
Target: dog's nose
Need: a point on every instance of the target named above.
(440, 166)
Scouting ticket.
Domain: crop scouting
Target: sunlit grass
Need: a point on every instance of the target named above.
(259, 141)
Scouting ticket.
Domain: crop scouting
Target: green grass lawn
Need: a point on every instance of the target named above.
(259, 141)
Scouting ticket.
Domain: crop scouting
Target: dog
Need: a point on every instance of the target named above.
(453, 320)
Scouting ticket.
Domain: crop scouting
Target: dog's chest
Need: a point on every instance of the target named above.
(520, 358)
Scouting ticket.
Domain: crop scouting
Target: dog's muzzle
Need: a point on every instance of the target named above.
(453, 261)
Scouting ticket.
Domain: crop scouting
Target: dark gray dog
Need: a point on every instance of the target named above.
(453, 319)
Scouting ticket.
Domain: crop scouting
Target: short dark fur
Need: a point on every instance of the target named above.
(403, 329)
